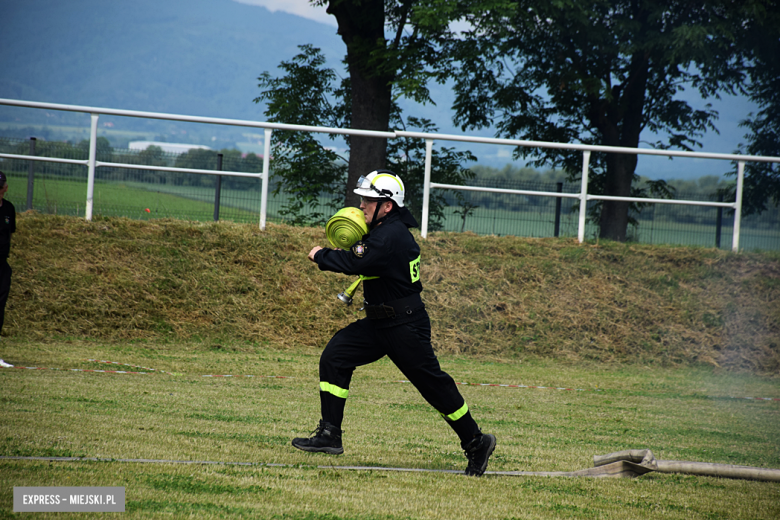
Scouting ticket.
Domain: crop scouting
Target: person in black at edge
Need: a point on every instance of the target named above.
(396, 324)
(7, 226)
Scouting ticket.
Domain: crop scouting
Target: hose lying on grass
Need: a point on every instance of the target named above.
(643, 461)
(625, 464)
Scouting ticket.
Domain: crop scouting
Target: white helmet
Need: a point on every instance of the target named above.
(381, 184)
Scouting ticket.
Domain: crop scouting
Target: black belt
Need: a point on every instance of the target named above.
(400, 307)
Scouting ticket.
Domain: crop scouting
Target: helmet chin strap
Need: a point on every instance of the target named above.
(374, 220)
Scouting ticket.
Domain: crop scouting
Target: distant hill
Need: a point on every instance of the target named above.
(197, 57)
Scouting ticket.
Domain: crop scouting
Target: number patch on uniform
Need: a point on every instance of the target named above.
(414, 269)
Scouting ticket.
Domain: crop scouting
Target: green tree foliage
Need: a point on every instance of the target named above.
(60, 150)
(204, 159)
(761, 44)
(305, 167)
(406, 157)
(311, 94)
(513, 173)
(595, 72)
(390, 44)
(151, 156)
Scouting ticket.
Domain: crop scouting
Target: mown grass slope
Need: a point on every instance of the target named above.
(502, 297)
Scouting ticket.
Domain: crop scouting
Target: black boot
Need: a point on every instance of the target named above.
(478, 452)
(326, 439)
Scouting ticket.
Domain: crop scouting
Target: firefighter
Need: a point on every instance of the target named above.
(396, 324)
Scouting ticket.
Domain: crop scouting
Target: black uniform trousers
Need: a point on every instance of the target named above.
(408, 345)
(5, 288)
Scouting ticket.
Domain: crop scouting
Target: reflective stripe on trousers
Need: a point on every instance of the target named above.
(333, 389)
(457, 414)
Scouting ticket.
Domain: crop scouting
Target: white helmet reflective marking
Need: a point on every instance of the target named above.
(381, 184)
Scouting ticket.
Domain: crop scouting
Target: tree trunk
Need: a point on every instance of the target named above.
(370, 111)
(361, 26)
(613, 223)
(622, 127)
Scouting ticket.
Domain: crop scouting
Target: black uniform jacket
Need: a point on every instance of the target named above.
(388, 251)
(7, 226)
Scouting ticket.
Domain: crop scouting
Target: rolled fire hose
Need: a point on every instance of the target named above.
(343, 229)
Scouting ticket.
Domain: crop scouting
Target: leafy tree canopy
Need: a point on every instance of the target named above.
(761, 45)
(391, 47)
(595, 72)
(310, 93)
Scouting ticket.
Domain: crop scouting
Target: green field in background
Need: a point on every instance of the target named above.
(127, 199)
(660, 231)
(131, 199)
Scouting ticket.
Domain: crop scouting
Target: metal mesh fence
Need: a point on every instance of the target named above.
(143, 194)
(135, 192)
(541, 216)
(508, 214)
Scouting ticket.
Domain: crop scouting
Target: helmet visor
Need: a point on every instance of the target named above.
(364, 183)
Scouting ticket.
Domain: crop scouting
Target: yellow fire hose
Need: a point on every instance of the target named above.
(343, 229)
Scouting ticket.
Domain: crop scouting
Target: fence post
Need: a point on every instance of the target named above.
(31, 175)
(738, 205)
(558, 201)
(218, 190)
(91, 166)
(583, 196)
(426, 187)
(719, 223)
(265, 178)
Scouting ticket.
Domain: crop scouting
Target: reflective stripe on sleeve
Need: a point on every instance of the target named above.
(457, 414)
(335, 390)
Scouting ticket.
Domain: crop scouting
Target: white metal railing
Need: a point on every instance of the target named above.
(583, 196)
(586, 150)
(93, 164)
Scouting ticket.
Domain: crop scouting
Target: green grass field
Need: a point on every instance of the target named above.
(660, 347)
(174, 413)
(128, 199)
(661, 231)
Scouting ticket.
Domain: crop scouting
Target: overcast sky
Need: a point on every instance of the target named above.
(298, 7)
